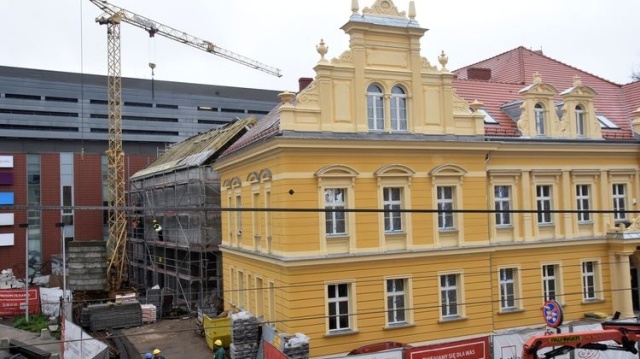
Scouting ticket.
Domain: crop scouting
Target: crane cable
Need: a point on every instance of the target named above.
(152, 63)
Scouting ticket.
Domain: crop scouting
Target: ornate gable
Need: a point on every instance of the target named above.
(579, 112)
(539, 115)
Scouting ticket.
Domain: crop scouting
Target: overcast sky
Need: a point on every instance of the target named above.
(597, 36)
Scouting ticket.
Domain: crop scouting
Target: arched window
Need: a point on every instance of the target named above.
(580, 121)
(540, 125)
(398, 109)
(375, 108)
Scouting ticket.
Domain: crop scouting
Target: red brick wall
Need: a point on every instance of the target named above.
(88, 224)
(14, 256)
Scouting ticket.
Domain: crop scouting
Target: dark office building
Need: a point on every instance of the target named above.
(53, 136)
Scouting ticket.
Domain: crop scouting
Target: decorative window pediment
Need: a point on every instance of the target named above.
(447, 170)
(236, 182)
(265, 175)
(394, 171)
(336, 171)
(253, 177)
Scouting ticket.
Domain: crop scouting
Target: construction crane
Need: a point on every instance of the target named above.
(113, 16)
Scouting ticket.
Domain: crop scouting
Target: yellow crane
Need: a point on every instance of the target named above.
(113, 16)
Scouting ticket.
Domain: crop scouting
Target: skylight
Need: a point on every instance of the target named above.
(605, 122)
(487, 117)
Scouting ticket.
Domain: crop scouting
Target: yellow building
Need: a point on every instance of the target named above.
(394, 200)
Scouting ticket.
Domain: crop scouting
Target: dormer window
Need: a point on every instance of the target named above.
(398, 109)
(375, 108)
(539, 116)
(580, 130)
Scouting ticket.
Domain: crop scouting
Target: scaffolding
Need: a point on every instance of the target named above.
(178, 191)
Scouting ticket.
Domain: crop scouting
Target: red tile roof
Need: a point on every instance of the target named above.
(514, 69)
(632, 95)
(267, 126)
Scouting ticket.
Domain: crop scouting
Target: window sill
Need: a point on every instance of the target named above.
(452, 319)
(337, 236)
(547, 225)
(510, 311)
(340, 333)
(448, 230)
(503, 227)
(585, 223)
(593, 301)
(398, 326)
(398, 233)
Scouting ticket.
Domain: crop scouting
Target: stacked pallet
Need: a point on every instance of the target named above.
(154, 296)
(114, 316)
(148, 313)
(296, 346)
(244, 336)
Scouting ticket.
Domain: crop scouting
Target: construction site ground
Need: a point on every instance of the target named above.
(176, 338)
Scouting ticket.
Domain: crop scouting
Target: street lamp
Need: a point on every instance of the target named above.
(64, 260)
(26, 269)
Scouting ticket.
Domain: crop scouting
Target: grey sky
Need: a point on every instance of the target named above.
(597, 36)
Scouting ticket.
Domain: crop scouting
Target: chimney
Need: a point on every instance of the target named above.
(303, 82)
(479, 73)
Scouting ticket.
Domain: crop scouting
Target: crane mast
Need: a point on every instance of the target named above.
(112, 17)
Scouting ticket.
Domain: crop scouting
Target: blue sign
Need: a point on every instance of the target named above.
(6, 197)
(552, 313)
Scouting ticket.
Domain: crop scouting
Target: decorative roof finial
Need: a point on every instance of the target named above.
(576, 81)
(443, 59)
(354, 6)
(286, 98)
(412, 10)
(537, 78)
(322, 50)
(476, 105)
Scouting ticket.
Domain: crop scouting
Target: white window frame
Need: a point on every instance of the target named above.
(618, 193)
(241, 303)
(580, 122)
(390, 203)
(238, 214)
(551, 279)
(590, 273)
(509, 288)
(333, 218)
(375, 108)
(544, 204)
(446, 202)
(397, 300)
(502, 203)
(398, 109)
(450, 308)
(539, 114)
(583, 202)
(335, 301)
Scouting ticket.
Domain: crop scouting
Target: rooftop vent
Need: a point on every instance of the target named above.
(479, 73)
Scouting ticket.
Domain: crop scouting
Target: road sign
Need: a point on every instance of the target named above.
(552, 313)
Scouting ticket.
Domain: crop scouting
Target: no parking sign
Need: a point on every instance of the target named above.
(552, 313)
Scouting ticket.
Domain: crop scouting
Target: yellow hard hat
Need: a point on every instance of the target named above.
(156, 351)
(218, 342)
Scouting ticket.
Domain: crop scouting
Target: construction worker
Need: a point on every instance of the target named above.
(157, 354)
(158, 228)
(220, 353)
(148, 356)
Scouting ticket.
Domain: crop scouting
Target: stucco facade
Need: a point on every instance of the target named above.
(373, 206)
